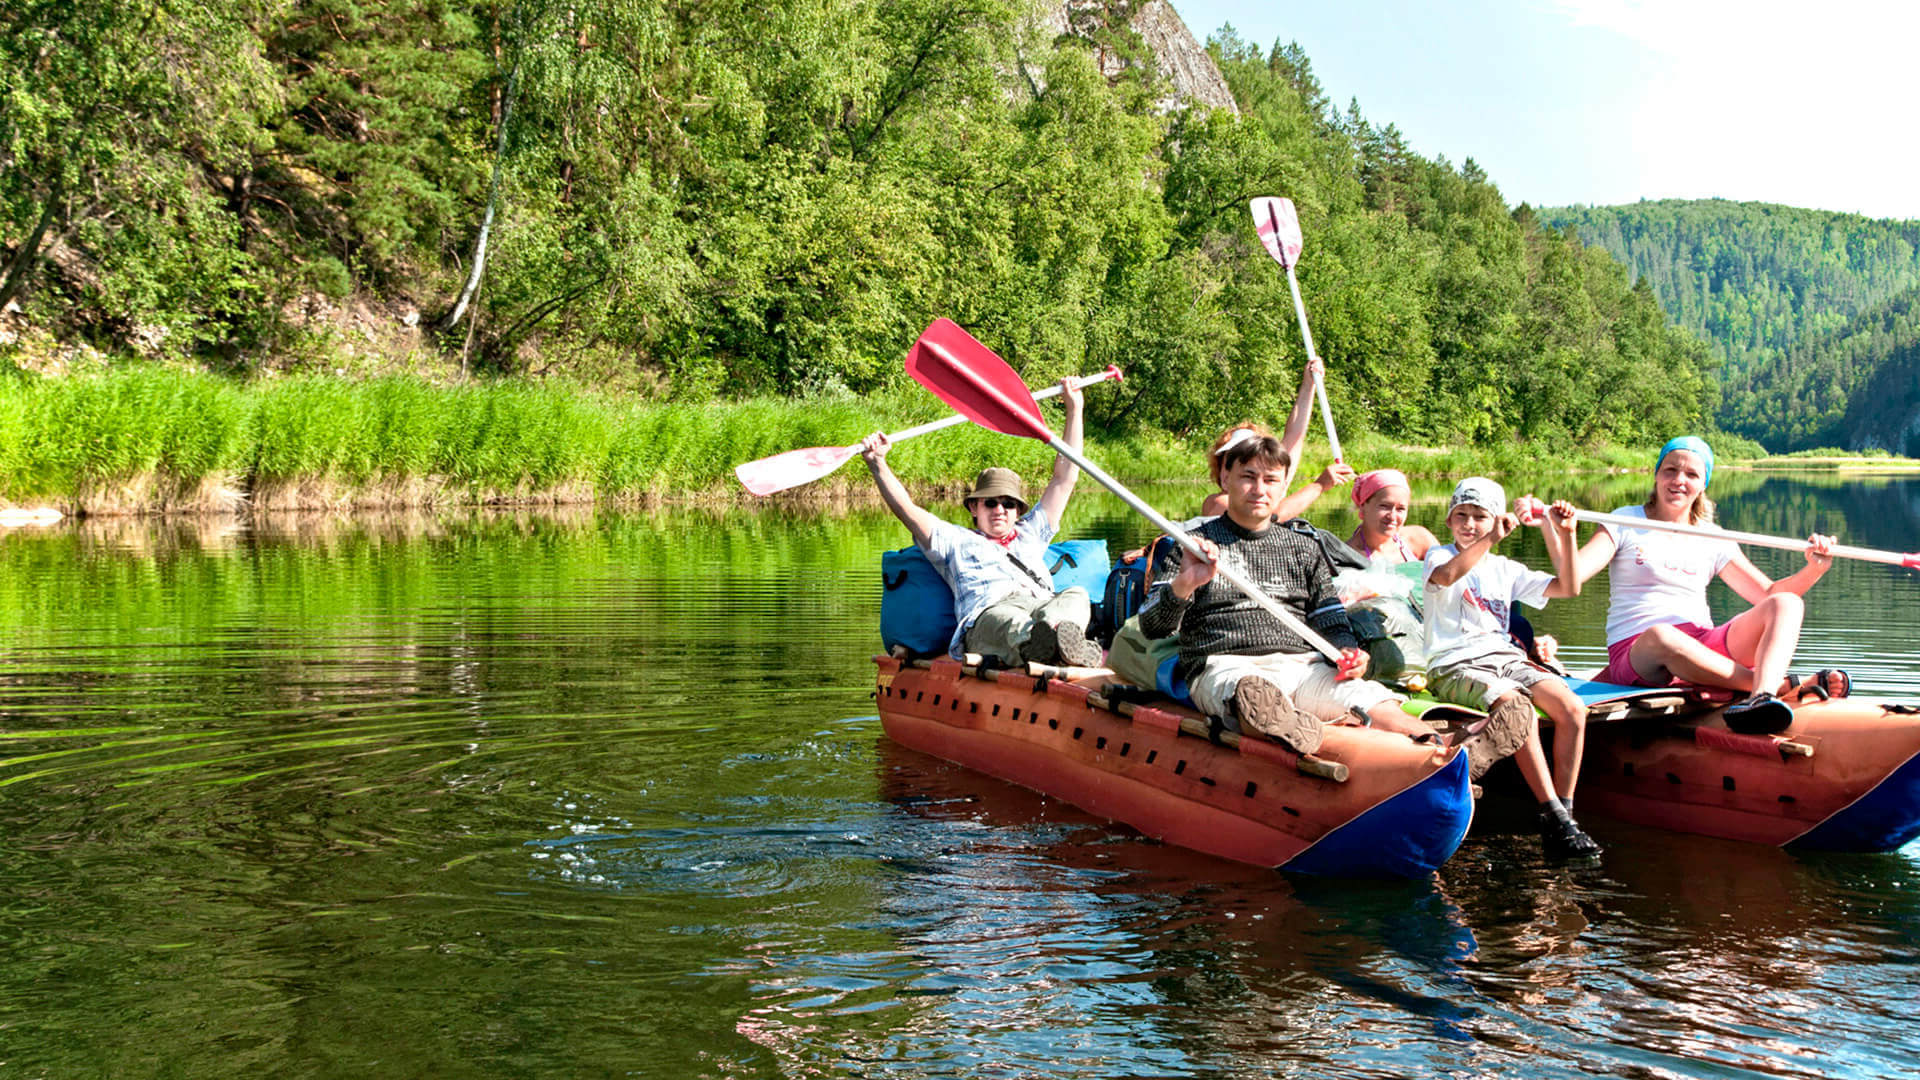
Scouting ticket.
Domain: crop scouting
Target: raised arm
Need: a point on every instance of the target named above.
(1293, 438)
(1065, 473)
(918, 521)
(1557, 530)
(1470, 554)
(1296, 502)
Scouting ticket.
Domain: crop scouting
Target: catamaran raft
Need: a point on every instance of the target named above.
(1844, 777)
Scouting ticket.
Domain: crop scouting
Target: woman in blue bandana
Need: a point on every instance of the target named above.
(1659, 630)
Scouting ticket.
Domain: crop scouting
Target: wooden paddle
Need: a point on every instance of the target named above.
(980, 386)
(796, 467)
(1529, 507)
(1279, 228)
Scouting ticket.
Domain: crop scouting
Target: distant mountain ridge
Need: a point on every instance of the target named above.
(1799, 304)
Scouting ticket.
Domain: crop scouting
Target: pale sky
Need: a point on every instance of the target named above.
(1610, 101)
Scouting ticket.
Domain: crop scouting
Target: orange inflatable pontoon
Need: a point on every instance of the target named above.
(1368, 804)
(1844, 777)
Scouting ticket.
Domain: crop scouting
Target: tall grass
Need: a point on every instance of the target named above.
(143, 437)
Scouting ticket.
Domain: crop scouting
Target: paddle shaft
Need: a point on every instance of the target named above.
(1841, 551)
(1319, 381)
(1281, 235)
(1185, 539)
(1080, 382)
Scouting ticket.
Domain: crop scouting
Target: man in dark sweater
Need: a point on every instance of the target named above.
(1237, 659)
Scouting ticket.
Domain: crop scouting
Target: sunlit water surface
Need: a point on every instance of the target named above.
(604, 794)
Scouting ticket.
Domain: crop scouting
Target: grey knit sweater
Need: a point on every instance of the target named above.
(1218, 620)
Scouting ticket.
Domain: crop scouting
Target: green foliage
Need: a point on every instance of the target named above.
(1853, 387)
(61, 436)
(1756, 278)
(111, 118)
(745, 199)
(1804, 306)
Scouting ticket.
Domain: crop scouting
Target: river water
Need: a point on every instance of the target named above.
(604, 794)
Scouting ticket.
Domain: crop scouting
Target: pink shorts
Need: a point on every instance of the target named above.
(1620, 671)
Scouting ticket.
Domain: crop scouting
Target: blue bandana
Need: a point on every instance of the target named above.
(1695, 445)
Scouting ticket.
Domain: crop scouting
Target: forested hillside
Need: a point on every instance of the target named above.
(1812, 394)
(726, 199)
(1884, 409)
(1804, 305)
(1756, 278)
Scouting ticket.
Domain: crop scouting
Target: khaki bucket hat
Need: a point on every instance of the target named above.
(998, 481)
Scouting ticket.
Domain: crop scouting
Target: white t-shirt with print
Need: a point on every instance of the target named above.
(1469, 617)
(1659, 578)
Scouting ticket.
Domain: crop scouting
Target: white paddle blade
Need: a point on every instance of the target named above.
(792, 469)
(1279, 228)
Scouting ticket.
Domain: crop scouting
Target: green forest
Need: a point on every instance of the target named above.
(1815, 394)
(1804, 306)
(722, 201)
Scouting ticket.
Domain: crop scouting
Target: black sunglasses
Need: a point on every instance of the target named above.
(997, 503)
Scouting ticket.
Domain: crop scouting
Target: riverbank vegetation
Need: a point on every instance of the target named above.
(148, 437)
(701, 210)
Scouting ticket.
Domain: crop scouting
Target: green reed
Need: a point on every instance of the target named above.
(141, 437)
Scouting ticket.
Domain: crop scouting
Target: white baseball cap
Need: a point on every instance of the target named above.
(1479, 491)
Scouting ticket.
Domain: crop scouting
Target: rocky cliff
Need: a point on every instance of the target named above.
(1179, 59)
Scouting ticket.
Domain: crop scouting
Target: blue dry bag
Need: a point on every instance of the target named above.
(916, 608)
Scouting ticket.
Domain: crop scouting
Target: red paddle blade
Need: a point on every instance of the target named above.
(979, 385)
(793, 468)
(1279, 228)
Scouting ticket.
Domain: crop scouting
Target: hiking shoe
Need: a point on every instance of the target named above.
(1563, 840)
(1265, 708)
(1064, 644)
(1074, 648)
(1758, 714)
(1505, 730)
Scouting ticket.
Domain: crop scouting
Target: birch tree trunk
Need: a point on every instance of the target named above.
(452, 318)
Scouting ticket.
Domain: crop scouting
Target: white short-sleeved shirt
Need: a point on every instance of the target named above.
(1660, 578)
(979, 571)
(1469, 617)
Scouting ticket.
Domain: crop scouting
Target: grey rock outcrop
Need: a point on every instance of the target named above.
(1190, 73)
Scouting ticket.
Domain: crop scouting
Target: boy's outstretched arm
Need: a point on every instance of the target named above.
(1469, 557)
(1557, 530)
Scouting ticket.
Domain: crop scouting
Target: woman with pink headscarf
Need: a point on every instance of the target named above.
(1384, 537)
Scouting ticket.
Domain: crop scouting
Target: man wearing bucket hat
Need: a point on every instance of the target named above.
(1003, 596)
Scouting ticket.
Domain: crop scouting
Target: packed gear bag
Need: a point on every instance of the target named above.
(1147, 662)
(1078, 562)
(1126, 587)
(916, 606)
(1384, 608)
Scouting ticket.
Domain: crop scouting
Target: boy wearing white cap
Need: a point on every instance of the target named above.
(1472, 660)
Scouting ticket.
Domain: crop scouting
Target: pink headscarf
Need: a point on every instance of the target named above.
(1367, 483)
